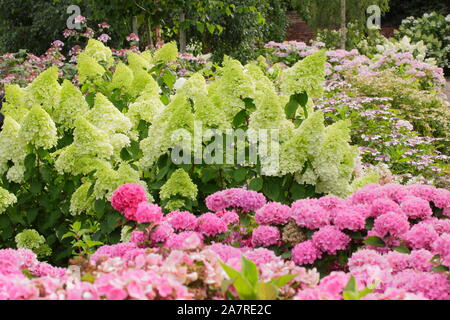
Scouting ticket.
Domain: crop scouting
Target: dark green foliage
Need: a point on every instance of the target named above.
(31, 24)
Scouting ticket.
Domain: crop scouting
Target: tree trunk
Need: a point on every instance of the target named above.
(343, 24)
(134, 25)
(150, 34)
(182, 34)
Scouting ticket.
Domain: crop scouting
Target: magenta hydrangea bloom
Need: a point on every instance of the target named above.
(425, 192)
(305, 253)
(273, 213)
(187, 240)
(332, 203)
(265, 236)
(137, 237)
(442, 247)
(421, 236)
(349, 220)
(435, 286)
(182, 220)
(163, 232)
(421, 260)
(384, 205)
(245, 200)
(441, 199)
(262, 256)
(128, 196)
(391, 223)
(367, 194)
(329, 239)
(211, 225)
(367, 257)
(13, 261)
(416, 208)
(230, 217)
(333, 284)
(440, 225)
(226, 252)
(117, 250)
(148, 213)
(398, 261)
(309, 214)
(395, 192)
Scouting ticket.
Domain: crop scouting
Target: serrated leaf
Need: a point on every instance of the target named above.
(375, 241)
(256, 184)
(402, 249)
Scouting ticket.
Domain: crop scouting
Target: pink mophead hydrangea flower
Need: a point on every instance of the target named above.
(348, 219)
(265, 236)
(309, 214)
(128, 196)
(305, 253)
(391, 223)
(329, 239)
(182, 220)
(273, 213)
(416, 208)
(148, 213)
(211, 225)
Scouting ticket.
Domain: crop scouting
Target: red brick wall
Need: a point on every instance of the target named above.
(298, 30)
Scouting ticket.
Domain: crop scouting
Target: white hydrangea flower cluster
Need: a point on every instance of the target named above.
(6, 199)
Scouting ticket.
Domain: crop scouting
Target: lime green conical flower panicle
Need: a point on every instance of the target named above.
(123, 77)
(45, 90)
(91, 141)
(137, 62)
(14, 149)
(148, 56)
(334, 165)
(88, 68)
(307, 75)
(72, 106)
(15, 105)
(304, 144)
(7, 199)
(167, 53)
(146, 107)
(196, 89)
(81, 201)
(233, 85)
(143, 82)
(38, 129)
(99, 52)
(178, 186)
(269, 113)
(107, 117)
(91, 145)
(177, 116)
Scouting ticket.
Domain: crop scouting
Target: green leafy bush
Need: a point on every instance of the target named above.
(433, 29)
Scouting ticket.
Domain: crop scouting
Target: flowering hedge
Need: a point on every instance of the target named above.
(65, 148)
(383, 242)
